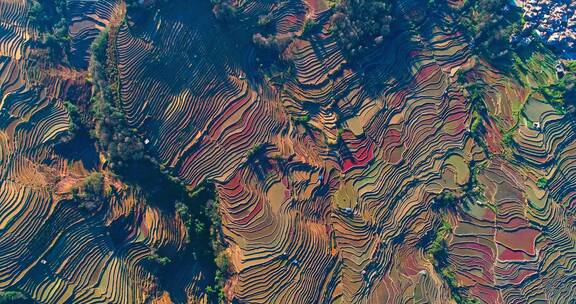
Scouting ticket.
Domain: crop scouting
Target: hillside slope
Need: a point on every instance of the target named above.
(421, 173)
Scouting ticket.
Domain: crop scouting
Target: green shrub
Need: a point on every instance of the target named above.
(301, 119)
(75, 120)
(438, 250)
(542, 182)
(90, 193)
(490, 27)
(49, 17)
(158, 259)
(98, 60)
(36, 14)
(360, 24)
(93, 185)
(446, 200)
(9, 296)
(508, 139)
(310, 25)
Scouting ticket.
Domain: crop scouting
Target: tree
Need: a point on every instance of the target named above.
(36, 13)
(90, 192)
(542, 183)
(75, 120)
(49, 17)
(490, 27)
(93, 185)
(11, 296)
(446, 200)
(158, 259)
(358, 25)
(310, 25)
(224, 11)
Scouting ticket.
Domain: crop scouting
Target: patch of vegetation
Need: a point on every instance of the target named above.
(98, 59)
(563, 91)
(90, 193)
(217, 290)
(123, 146)
(264, 20)
(158, 259)
(137, 10)
(359, 25)
(13, 296)
(75, 124)
(339, 135)
(256, 152)
(258, 160)
(438, 250)
(274, 62)
(310, 25)
(127, 158)
(477, 128)
(200, 215)
(447, 200)
(271, 42)
(491, 26)
(473, 189)
(93, 186)
(49, 17)
(225, 11)
(301, 119)
(542, 182)
(508, 138)
(473, 90)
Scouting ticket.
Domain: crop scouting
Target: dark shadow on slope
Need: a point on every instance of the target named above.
(81, 147)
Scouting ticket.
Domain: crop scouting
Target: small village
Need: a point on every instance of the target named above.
(554, 21)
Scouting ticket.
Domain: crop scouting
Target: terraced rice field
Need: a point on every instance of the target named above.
(334, 209)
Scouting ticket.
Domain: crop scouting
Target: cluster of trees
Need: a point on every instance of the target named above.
(121, 142)
(310, 25)
(269, 52)
(158, 259)
(447, 200)
(98, 60)
(435, 241)
(474, 92)
(75, 125)
(436, 246)
(271, 42)
(258, 160)
(360, 24)
(224, 10)
(270, 47)
(542, 182)
(569, 92)
(490, 24)
(203, 227)
(49, 17)
(303, 120)
(127, 158)
(14, 296)
(89, 194)
(563, 91)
